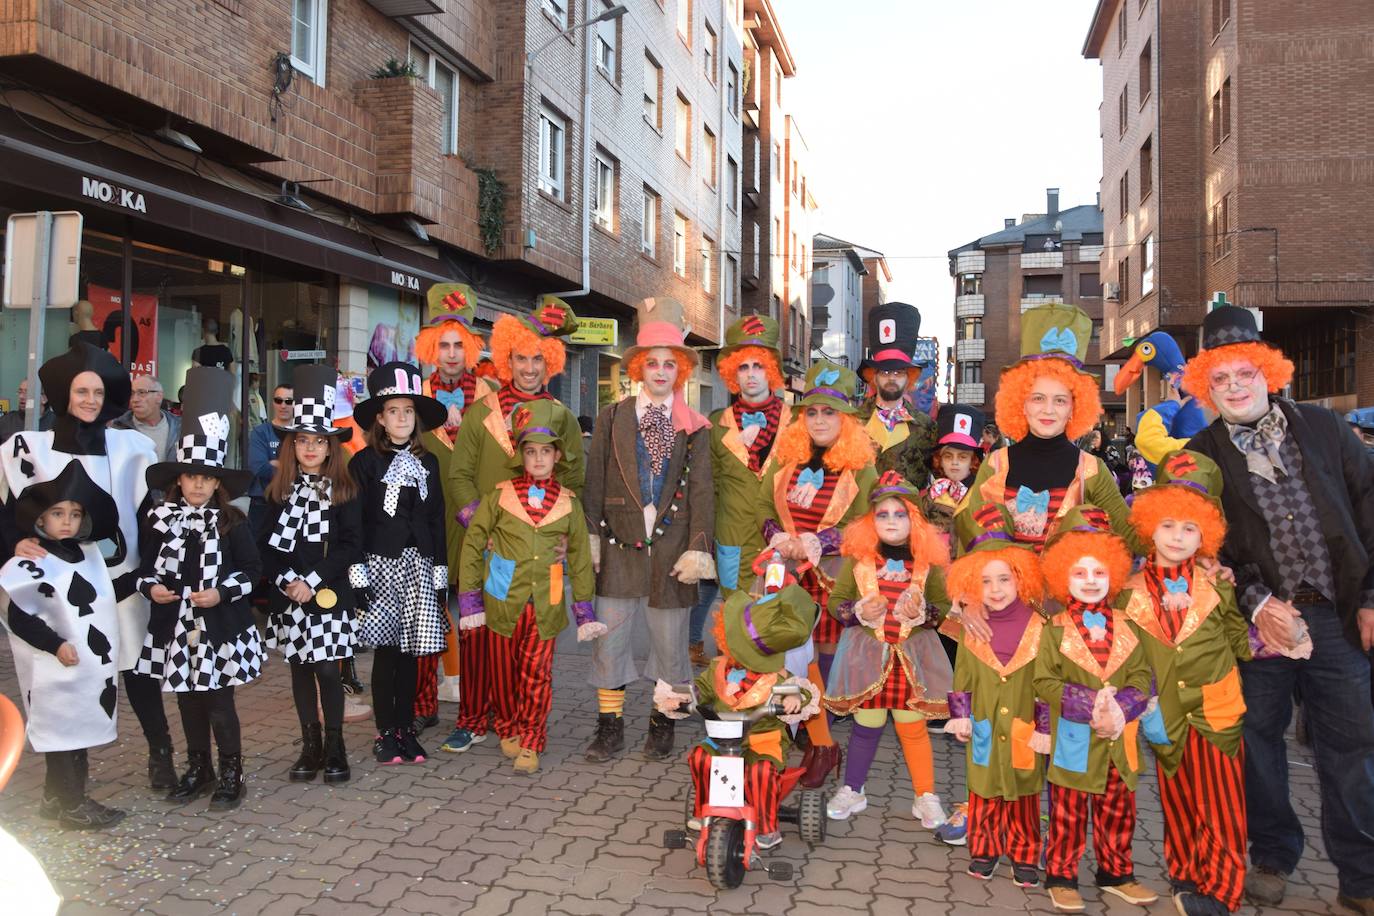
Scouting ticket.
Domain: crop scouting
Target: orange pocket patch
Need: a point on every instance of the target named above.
(1223, 703)
(1131, 737)
(766, 744)
(1022, 757)
(556, 584)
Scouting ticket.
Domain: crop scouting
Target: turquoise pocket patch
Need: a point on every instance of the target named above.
(982, 742)
(499, 573)
(727, 565)
(1071, 745)
(1152, 724)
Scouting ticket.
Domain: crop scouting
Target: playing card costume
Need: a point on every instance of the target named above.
(65, 597)
(649, 505)
(905, 437)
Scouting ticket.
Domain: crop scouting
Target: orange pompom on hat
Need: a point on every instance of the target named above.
(537, 332)
(1187, 488)
(1054, 344)
(452, 307)
(988, 534)
(860, 538)
(1084, 531)
(1230, 333)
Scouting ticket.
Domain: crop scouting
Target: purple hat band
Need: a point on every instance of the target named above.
(827, 392)
(531, 430)
(1058, 354)
(451, 316)
(881, 492)
(753, 632)
(990, 536)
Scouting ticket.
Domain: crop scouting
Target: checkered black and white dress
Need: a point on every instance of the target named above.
(404, 610)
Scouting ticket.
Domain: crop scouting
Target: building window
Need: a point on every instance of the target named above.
(553, 155)
(1146, 73)
(1323, 354)
(971, 329)
(708, 152)
(1089, 286)
(708, 255)
(732, 88)
(653, 93)
(608, 45)
(684, 127)
(558, 11)
(679, 244)
(309, 37)
(711, 50)
(794, 177)
(1121, 121)
(445, 82)
(648, 224)
(971, 373)
(1221, 228)
(1221, 14)
(970, 284)
(777, 161)
(1147, 266)
(731, 183)
(1123, 279)
(728, 281)
(793, 250)
(1221, 113)
(1147, 167)
(684, 21)
(604, 214)
(1121, 29)
(777, 83)
(777, 236)
(1123, 189)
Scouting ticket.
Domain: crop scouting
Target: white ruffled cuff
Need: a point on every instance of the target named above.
(812, 706)
(670, 702)
(588, 631)
(472, 621)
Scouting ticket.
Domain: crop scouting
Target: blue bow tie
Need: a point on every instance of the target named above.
(454, 398)
(736, 675)
(1028, 500)
(536, 497)
(1094, 620)
(894, 566)
(1177, 586)
(753, 418)
(815, 478)
(827, 377)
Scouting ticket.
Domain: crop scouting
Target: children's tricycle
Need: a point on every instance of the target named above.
(726, 841)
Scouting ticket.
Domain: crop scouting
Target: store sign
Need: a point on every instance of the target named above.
(596, 332)
(291, 355)
(108, 193)
(405, 281)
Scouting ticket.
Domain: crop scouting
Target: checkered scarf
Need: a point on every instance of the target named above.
(179, 526)
(1260, 444)
(405, 471)
(656, 428)
(304, 512)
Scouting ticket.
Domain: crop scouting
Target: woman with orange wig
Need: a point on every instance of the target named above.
(890, 596)
(817, 481)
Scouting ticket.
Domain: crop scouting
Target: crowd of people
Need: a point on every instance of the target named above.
(887, 564)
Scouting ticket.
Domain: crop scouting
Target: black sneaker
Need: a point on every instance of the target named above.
(386, 749)
(90, 815)
(982, 869)
(1025, 875)
(411, 751)
(1190, 903)
(423, 722)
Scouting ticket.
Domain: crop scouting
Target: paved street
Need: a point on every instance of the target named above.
(464, 834)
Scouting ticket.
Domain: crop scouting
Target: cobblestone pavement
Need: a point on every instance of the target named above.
(465, 834)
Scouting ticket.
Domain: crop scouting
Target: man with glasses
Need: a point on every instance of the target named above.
(13, 421)
(263, 442)
(905, 436)
(147, 416)
(1299, 504)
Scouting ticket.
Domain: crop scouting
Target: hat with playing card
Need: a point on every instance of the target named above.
(206, 406)
(961, 426)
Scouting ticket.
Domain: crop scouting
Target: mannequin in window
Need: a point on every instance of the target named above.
(83, 318)
(212, 352)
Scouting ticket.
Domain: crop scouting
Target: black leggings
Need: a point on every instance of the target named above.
(145, 696)
(66, 777)
(393, 687)
(203, 710)
(304, 677)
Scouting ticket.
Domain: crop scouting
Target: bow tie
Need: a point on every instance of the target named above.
(810, 477)
(536, 497)
(1095, 622)
(1260, 445)
(1028, 500)
(1177, 586)
(454, 398)
(891, 416)
(894, 566)
(753, 418)
(954, 488)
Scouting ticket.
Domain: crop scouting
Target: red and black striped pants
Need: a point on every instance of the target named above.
(997, 827)
(427, 677)
(1204, 820)
(474, 698)
(521, 670)
(1113, 816)
(762, 787)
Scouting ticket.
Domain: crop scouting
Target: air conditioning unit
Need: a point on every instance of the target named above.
(1111, 292)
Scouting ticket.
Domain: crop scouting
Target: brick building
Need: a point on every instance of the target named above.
(1235, 158)
(259, 169)
(777, 198)
(1040, 259)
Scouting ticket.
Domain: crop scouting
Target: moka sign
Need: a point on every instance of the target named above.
(108, 193)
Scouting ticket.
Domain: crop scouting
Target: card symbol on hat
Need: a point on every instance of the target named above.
(752, 325)
(26, 468)
(46, 590)
(1181, 464)
(327, 396)
(215, 425)
(962, 423)
(455, 301)
(887, 330)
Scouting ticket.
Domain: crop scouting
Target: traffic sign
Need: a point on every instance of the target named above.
(42, 259)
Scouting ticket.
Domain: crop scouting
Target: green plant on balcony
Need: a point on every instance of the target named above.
(491, 208)
(394, 68)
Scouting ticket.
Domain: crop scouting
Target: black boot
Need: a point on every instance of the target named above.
(198, 779)
(348, 670)
(229, 792)
(312, 754)
(658, 745)
(335, 757)
(609, 739)
(162, 771)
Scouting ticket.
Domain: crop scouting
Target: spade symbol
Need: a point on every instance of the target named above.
(46, 590)
(108, 697)
(99, 643)
(26, 467)
(80, 594)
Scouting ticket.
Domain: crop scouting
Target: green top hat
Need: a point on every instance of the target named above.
(832, 385)
(1191, 470)
(552, 317)
(1056, 331)
(893, 485)
(452, 302)
(753, 331)
(1085, 518)
(534, 422)
(989, 527)
(760, 631)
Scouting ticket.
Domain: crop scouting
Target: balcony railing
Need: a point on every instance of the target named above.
(969, 393)
(395, 8)
(970, 349)
(969, 306)
(1030, 302)
(1089, 254)
(970, 262)
(1040, 259)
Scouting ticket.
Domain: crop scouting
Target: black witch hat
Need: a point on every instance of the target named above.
(205, 409)
(102, 516)
(56, 377)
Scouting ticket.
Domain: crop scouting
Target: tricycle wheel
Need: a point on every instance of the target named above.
(725, 853)
(691, 803)
(811, 815)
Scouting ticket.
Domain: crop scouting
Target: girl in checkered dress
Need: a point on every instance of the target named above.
(316, 536)
(890, 596)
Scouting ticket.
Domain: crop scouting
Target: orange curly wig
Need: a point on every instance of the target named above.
(1060, 557)
(427, 343)
(852, 450)
(1015, 387)
(510, 336)
(686, 365)
(1154, 505)
(965, 579)
(1197, 372)
(860, 539)
(727, 366)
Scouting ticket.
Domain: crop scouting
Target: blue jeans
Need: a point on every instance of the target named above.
(707, 589)
(1335, 687)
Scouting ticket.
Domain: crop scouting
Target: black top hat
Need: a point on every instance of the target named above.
(398, 380)
(205, 409)
(102, 516)
(961, 426)
(1229, 324)
(313, 411)
(57, 373)
(893, 328)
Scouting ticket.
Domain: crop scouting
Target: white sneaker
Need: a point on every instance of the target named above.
(355, 711)
(768, 840)
(929, 811)
(693, 825)
(844, 803)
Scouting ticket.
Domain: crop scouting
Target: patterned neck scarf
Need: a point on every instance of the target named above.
(405, 471)
(304, 513)
(510, 397)
(891, 416)
(1095, 625)
(758, 426)
(1171, 587)
(1260, 444)
(953, 490)
(656, 429)
(180, 527)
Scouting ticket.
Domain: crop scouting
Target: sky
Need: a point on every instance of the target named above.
(929, 122)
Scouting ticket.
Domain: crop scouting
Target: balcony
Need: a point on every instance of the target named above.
(1030, 302)
(397, 8)
(969, 306)
(970, 262)
(970, 349)
(1034, 260)
(409, 167)
(1089, 254)
(969, 393)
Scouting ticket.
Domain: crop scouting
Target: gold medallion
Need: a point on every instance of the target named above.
(326, 598)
